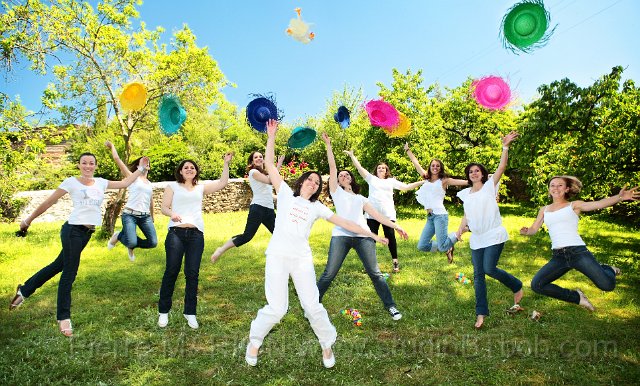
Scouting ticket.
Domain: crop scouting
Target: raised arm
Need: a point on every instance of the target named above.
(219, 184)
(384, 220)
(333, 169)
(402, 186)
(142, 166)
(624, 195)
(537, 223)
(504, 158)
(414, 161)
(116, 158)
(270, 154)
(355, 228)
(362, 171)
(46, 204)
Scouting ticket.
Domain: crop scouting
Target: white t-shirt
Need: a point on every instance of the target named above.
(563, 227)
(140, 193)
(188, 204)
(349, 206)
(87, 200)
(381, 195)
(483, 216)
(262, 193)
(293, 223)
(431, 196)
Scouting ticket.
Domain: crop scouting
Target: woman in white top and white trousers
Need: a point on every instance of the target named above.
(87, 194)
(137, 212)
(482, 216)
(289, 254)
(568, 250)
(182, 202)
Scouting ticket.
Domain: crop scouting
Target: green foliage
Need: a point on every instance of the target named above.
(165, 158)
(592, 133)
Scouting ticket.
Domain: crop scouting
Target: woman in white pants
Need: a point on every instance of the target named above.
(289, 254)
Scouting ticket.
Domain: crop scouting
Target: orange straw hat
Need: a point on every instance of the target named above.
(133, 97)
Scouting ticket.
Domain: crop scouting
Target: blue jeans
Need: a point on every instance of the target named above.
(258, 214)
(366, 249)
(187, 242)
(485, 261)
(74, 238)
(437, 224)
(128, 236)
(564, 260)
(389, 233)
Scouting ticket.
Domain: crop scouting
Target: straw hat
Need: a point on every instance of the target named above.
(382, 114)
(342, 117)
(301, 137)
(403, 128)
(171, 114)
(491, 92)
(133, 97)
(259, 111)
(525, 26)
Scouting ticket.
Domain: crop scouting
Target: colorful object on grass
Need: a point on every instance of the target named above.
(171, 114)
(491, 92)
(342, 117)
(354, 315)
(462, 278)
(260, 110)
(382, 114)
(301, 137)
(525, 26)
(133, 97)
(299, 29)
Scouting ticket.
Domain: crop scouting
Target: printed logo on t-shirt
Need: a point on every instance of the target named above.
(299, 215)
(92, 197)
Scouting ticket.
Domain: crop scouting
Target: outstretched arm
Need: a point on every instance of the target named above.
(219, 184)
(414, 161)
(142, 166)
(625, 195)
(506, 141)
(537, 223)
(355, 228)
(333, 169)
(116, 158)
(274, 173)
(46, 204)
(363, 172)
(402, 186)
(384, 220)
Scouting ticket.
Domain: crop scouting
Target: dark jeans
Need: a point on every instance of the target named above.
(187, 242)
(564, 260)
(485, 261)
(128, 236)
(366, 249)
(74, 238)
(389, 233)
(258, 214)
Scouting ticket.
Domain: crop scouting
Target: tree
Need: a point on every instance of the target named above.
(591, 132)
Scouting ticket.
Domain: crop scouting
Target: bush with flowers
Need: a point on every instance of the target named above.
(293, 169)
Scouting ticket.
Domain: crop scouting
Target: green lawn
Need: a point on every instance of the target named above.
(117, 340)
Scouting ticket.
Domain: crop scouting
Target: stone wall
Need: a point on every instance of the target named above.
(235, 196)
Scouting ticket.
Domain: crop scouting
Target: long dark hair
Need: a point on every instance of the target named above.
(297, 185)
(250, 164)
(355, 187)
(386, 175)
(441, 175)
(181, 179)
(133, 166)
(483, 170)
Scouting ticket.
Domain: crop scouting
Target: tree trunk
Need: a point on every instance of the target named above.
(114, 206)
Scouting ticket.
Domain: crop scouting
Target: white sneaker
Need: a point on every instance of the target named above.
(113, 240)
(395, 314)
(191, 321)
(163, 320)
(132, 257)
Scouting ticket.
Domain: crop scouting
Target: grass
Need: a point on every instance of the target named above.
(117, 341)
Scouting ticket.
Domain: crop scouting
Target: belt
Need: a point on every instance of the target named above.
(134, 212)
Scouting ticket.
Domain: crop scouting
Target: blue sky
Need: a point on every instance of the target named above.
(358, 43)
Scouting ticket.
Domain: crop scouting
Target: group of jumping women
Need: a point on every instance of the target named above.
(357, 221)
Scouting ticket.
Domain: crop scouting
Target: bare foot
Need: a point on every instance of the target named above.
(251, 355)
(450, 255)
(518, 296)
(328, 360)
(479, 322)
(65, 327)
(584, 302)
(216, 255)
